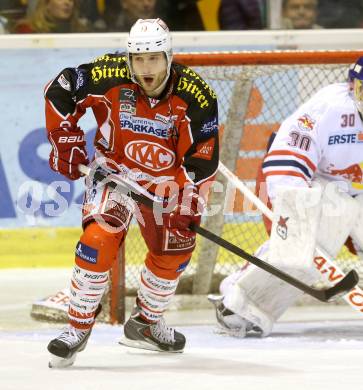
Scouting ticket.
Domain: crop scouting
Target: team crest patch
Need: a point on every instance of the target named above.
(210, 127)
(172, 243)
(281, 228)
(127, 107)
(64, 83)
(127, 95)
(128, 100)
(205, 150)
(306, 123)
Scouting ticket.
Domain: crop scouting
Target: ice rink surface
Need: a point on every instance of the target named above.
(314, 348)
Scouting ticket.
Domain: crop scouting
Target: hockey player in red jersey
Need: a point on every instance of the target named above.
(313, 174)
(157, 125)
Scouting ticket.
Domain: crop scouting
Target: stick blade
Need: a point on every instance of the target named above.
(342, 287)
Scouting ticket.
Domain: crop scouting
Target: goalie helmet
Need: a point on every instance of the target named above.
(355, 76)
(149, 36)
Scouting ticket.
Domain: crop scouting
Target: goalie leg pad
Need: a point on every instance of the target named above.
(339, 217)
(357, 230)
(255, 318)
(87, 289)
(235, 313)
(260, 297)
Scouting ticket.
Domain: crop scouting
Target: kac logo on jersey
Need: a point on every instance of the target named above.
(150, 155)
(306, 123)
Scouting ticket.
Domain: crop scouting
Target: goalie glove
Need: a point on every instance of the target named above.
(189, 207)
(68, 150)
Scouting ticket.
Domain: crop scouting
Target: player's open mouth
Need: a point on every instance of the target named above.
(148, 80)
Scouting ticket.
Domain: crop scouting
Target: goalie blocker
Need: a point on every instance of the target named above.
(252, 300)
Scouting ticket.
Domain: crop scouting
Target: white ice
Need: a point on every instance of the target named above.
(313, 348)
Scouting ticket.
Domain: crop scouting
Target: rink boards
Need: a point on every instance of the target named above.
(54, 247)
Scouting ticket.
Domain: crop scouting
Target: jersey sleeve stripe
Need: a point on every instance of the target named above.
(310, 164)
(285, 173)
(287, 163)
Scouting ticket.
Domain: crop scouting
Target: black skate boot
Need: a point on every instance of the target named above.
(139, 333)
(65, 347)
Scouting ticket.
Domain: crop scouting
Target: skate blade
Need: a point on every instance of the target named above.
(138, 344)
(58, 362)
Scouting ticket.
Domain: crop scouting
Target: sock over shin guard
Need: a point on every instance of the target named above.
(155, 294)
(87, 289)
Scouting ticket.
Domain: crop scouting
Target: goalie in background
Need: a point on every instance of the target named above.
(157, 126)
(314, 180)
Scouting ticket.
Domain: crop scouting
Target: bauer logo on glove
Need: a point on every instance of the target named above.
(71, 139)
(68, 151)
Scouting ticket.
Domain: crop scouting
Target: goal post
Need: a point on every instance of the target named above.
(276, 57)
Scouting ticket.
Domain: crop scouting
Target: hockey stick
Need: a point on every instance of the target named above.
(139, 194)
(330, 273)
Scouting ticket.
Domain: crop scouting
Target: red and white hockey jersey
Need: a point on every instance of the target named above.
(152, 141)
(324, 136)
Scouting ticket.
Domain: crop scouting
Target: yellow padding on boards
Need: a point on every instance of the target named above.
(53, 247)
(38, 247)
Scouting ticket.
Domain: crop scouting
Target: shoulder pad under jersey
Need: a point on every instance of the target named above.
(191, 87)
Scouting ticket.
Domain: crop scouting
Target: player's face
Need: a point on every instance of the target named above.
(358, 94)
(60, 9)
(302, 13)
(150, 70)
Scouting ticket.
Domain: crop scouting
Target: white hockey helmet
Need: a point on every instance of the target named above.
(149, 36)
